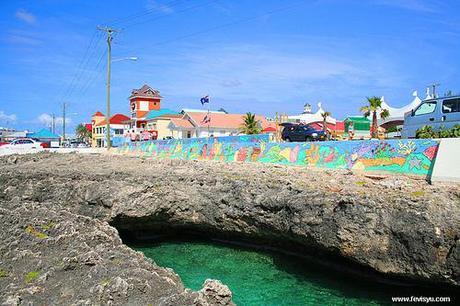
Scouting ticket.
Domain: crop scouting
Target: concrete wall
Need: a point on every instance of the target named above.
(414, 157)
(447, 164)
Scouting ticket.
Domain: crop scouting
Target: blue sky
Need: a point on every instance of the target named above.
(248, 55)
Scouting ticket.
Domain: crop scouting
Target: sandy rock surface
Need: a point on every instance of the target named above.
(58, 214)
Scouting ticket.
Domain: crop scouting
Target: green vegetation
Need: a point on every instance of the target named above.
(250, 125)
(82, 133)
(374, 106)
(325, 115)
(48, 226)
(3, 273)
(418, 193)
(427, 131)
(31, 230)
(31, 276)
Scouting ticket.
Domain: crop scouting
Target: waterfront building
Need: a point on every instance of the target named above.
(46, 136)
(308, 117)
(195, 123)
(119, 124)
(358, 127)
(158, 122)
(396, 118)
(141, 102)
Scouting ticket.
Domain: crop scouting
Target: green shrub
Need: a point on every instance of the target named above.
(426, 131)
(455, 131)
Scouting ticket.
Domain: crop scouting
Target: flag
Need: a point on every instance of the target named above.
(206, 119)
(204, 100)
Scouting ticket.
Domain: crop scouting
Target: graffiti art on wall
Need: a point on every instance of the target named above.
(403, 156)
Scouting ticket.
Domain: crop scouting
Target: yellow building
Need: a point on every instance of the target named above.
(158, 121)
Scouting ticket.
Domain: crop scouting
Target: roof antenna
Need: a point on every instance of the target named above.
(433, 86)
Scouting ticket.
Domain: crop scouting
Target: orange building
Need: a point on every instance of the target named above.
(142, 101)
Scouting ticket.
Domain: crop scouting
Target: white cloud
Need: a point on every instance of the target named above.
(47, 120)
(5, 117)
(25, 16)
(159, 7)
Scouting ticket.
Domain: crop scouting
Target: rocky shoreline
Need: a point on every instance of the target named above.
(58, 214)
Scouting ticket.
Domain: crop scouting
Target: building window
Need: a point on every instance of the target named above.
(144, 105)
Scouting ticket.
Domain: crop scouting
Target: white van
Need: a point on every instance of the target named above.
(439, 112)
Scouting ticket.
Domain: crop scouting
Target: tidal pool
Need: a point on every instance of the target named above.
(265, 278)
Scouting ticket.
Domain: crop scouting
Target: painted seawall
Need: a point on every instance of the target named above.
(413, 157)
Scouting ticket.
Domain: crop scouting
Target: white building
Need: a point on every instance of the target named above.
(308, 117)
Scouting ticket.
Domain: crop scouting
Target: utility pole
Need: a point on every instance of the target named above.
(53, 124)
(63, 120)
(109, 32)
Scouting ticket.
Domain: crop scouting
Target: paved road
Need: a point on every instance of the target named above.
(9, 151)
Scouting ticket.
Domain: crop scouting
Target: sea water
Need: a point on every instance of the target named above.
(266, 278)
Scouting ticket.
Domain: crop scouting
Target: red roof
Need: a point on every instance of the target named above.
(98, 113)
(115, 119)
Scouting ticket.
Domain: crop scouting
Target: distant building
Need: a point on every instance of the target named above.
(158, 122)
(119, 123)
(307, 117)
(396, 117)
(45, 135)
(141, 102)
(359, 126)
(201, 124)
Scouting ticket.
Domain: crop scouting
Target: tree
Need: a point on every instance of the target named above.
(374, 106)
(325, 115)
(250, 125)
(82, 133)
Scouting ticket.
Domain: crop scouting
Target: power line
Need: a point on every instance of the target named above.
(120, 20)
(79, 66)
(163, 16)
(272, 12)
(80, 72)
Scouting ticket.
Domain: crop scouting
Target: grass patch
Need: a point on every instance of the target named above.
(418, 193)
(31, 230)
(3, 273)
(48, 226)
(360, 183)
(31, 276)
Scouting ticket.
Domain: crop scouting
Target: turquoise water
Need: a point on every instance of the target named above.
(264, 278)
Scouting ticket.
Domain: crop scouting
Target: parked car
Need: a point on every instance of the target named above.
(298, 132)
(440, 112)
(24, 143)
(82, 145)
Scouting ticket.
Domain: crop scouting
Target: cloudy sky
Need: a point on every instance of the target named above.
(248, 55)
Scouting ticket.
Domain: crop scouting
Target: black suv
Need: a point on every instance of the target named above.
(298, 132)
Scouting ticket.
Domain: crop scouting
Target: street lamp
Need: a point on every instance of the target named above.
(109, 62)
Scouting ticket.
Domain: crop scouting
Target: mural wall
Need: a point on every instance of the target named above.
(401, 156)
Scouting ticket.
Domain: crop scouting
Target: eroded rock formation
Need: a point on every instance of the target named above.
(58, 244)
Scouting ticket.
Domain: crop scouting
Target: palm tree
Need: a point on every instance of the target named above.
(375, 105)
(250, 125)
(325, 115)
(82, 132)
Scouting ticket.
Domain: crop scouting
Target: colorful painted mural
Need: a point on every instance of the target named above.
(401, 156)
